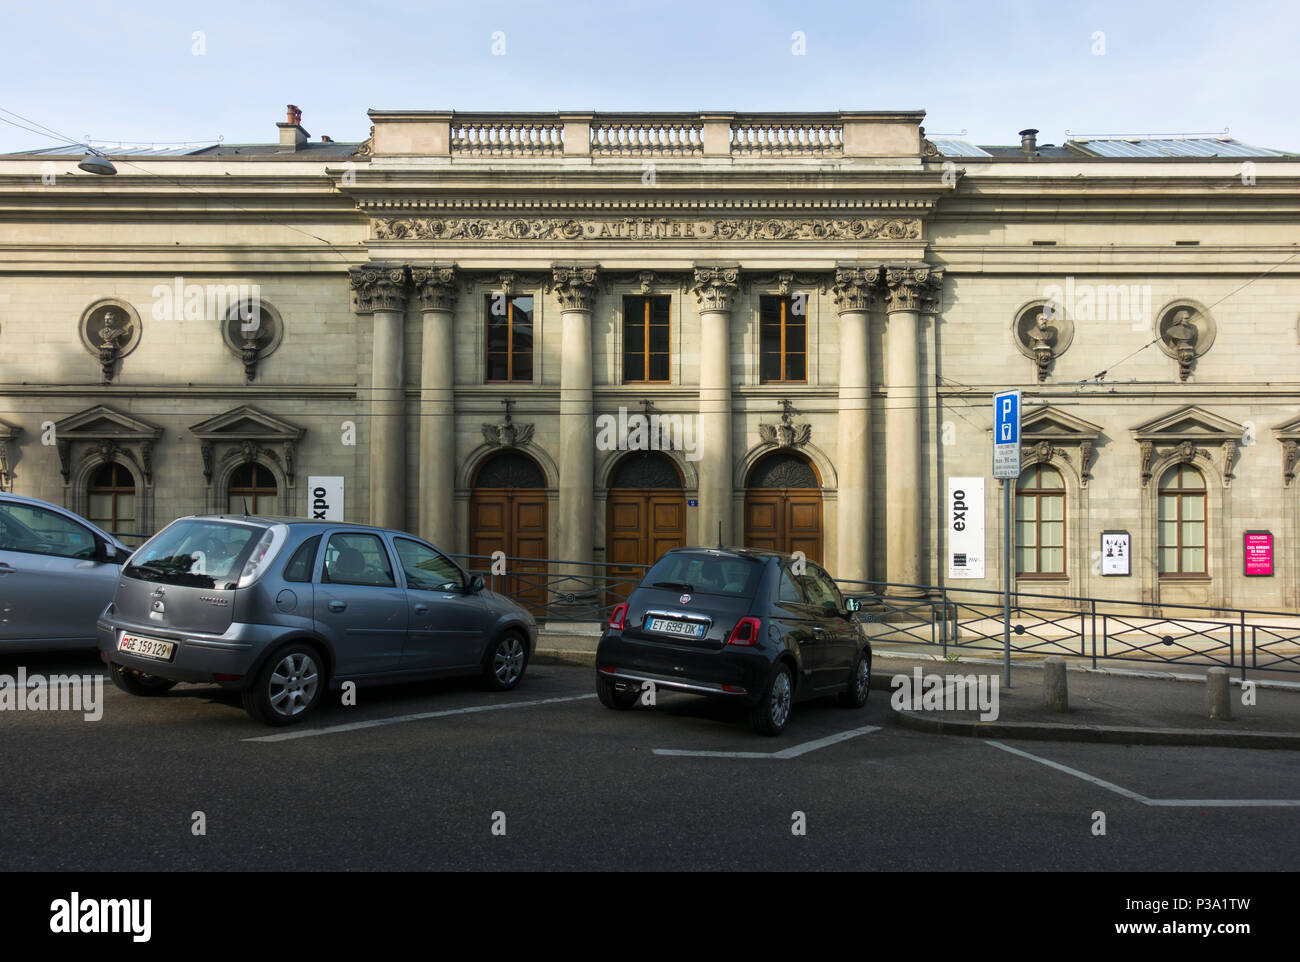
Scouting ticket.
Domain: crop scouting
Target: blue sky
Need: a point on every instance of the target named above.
(122, 71)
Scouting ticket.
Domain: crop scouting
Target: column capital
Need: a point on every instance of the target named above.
(913, 287)
(380, 287)
(855, 288)
(715, 287)
(575, 286)
(435, 286)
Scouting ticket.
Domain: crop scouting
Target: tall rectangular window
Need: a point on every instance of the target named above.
(783, 339)
(646, 338)
(509, 338)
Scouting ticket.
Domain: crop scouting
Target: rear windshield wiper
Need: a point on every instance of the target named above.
(675, 585)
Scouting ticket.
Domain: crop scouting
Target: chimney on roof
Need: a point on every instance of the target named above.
(1029, 141)
(326, 139)
(292, 134)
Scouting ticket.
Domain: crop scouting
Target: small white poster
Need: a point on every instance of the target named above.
(1116, 553)
(965, 527)
(325, 498)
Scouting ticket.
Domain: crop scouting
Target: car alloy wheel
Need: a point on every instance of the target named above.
(862, 679)
(291, 688)
(780, 700)
(506, 663)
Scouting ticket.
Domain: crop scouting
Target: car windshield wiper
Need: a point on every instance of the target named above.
(675, 585)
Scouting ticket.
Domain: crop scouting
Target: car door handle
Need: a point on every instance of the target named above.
(420, 609)
(338, 606)
(4, 568)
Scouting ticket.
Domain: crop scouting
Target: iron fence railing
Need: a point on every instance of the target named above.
(957, 619)
(1093, 628)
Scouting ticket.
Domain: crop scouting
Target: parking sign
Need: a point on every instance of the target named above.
(1006, 434)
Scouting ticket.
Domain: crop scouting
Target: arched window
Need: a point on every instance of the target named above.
(1181, 519)
(251, 487)
(1040, 522)
(110, 499)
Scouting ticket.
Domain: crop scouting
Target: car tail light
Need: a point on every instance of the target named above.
(618, 616)
(745, 632)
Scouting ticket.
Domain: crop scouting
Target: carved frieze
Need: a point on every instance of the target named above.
(646, 228)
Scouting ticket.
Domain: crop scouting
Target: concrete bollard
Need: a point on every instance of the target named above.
(1217, 701)
(1056, 694)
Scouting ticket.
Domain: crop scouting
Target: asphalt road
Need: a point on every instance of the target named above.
(582, 787)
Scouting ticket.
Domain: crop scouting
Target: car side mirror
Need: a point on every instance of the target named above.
(852, 605)
(476, 584)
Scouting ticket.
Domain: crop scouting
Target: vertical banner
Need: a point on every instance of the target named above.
(965, 527)
(325, 498)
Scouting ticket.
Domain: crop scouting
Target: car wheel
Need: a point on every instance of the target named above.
(772, 713)
(506, 662)
(611, 697)
(138, 682)
(288, 687)
(855, 695)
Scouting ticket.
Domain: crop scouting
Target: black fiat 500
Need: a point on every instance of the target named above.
(738, 624)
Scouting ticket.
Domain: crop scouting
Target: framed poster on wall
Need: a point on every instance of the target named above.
(1116, 553)
(1257, 553)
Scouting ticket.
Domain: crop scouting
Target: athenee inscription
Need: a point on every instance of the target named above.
(645, 228)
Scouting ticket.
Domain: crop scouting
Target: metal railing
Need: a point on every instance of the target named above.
(971, 619)
(559, 590)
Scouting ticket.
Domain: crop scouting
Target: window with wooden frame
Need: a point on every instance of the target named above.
(252, 487)
(1181, 521)
(111, 499)
(509, 338)
(647, 337)
(782, 339)
(1040, 523)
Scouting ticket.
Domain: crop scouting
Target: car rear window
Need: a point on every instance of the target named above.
(706, 574)
(196, 554)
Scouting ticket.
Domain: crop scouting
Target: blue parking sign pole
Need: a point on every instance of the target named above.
(1006, 466)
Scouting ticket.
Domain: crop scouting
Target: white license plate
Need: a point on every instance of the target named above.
(146, 647)
(670, 627)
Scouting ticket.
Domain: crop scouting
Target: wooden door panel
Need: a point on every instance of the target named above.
(641, 525)
(513, 521)
(785, 521)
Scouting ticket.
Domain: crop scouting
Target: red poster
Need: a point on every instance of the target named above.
(1259, 552)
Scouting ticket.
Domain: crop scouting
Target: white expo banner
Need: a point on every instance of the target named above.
(325, 498)
(965, 527)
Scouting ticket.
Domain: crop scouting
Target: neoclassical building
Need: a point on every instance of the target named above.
(592, 337)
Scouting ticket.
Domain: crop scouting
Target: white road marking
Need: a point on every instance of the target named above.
(397, 719)
(1153, 802)
(792, 752)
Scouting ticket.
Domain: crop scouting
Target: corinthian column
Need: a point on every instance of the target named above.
(913, 290)
(576, 289)
(854, 292)
(436, 288)
(382, 291)
(715, 289)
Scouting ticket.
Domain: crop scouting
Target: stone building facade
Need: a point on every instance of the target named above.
(468, 317)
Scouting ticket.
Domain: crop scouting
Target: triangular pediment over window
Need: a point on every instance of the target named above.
(103, 422)
(247, 423)
(1189, 423)
(246, 434)
(1190, 435)
(1046, 423)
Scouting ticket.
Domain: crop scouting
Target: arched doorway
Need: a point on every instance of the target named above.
(507, 512)
(783, 506)
(645, 516)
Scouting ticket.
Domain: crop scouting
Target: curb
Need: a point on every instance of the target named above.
(1050, 731)
(564, 656)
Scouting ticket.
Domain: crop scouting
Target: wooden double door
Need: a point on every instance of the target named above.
(787, 520)
(508, 513)
(640, 525)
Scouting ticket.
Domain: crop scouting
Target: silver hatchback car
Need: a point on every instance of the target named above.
(283, 609)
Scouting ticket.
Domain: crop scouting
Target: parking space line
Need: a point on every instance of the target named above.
(1153, 802)
(793, 751)
(397, 719)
